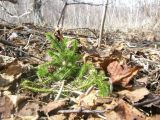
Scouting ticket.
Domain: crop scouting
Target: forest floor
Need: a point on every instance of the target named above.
(130, 61)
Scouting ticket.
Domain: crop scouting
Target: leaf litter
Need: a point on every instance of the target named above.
(130, 61)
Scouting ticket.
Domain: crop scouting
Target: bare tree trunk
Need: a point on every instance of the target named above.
(102, 23)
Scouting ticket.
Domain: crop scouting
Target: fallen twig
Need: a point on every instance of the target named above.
(81, 111)
(28, 41)
(102, 23)
(60, 91)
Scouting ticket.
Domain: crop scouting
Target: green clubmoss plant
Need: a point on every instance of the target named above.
(65, 65)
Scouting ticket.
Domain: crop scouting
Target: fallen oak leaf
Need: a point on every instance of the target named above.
(121, 73)
(118, 70)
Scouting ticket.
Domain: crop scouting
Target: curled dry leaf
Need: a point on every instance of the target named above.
(119, 71)
(11, 72)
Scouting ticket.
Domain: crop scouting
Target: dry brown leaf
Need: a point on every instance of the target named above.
(127, 112)
(54, 106)
(28, 109)
(89, 100)
(6, 107)
(11, 72)
(119, 71)
(136, 95)
(58, 34)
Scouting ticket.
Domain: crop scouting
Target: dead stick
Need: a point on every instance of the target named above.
(60, 91)
(102, 23)
(62, 14)
(81, 111)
